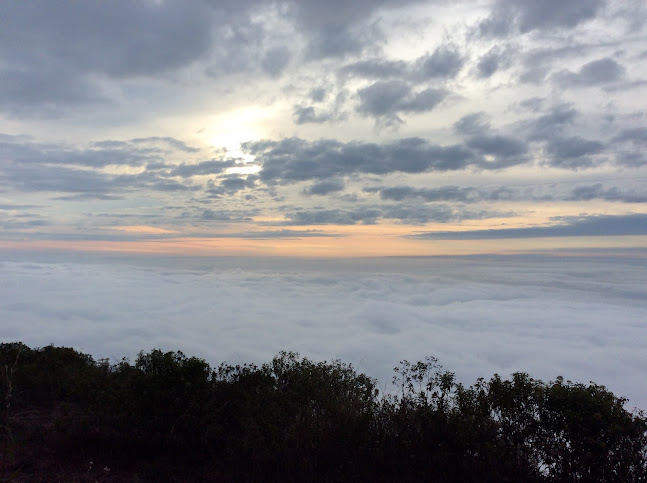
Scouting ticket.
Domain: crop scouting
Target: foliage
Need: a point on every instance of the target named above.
(168, 416)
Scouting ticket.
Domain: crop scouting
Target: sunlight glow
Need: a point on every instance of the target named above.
(231, 129)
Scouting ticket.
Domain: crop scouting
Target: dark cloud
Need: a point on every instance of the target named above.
(469, 194)
(365, 216)
(57, 52)
(226, 215)
(45, 92)
(137, 152)
(444, 193)
(497, 145)
(230, 185)
(325, 187)
(377, 69)
(317, 94)
(471, 124)
(444, 63)
(406, 213)
(494, 60)
(310, 114)
(275, 60)
(597, 72)
(117, 38)
(597, 191)
(55, 178)
(384, 100)
(437, 213)
(573, 152)
(203, 168)
(637, 136)
(528, 15)
(89, 197)
(293, 159)
(551, 124)
(339, 41)
(600, 225)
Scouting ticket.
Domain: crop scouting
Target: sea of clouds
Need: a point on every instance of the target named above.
(581, 317)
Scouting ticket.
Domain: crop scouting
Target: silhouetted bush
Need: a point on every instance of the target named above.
(171, 417)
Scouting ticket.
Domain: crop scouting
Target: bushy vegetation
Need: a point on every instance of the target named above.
(169, 417)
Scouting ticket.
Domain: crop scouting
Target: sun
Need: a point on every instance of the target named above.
(232, 128)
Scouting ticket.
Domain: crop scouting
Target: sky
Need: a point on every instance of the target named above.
(323, 129)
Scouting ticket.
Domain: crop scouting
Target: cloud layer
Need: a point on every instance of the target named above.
(580, 317)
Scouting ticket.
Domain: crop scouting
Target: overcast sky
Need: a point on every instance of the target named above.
(371, 127)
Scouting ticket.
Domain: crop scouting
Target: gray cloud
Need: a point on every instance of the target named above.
(310, 114)
(203, 168)
(377, 69)
(325, 187)
(275, 60)
(445, 62)
(227, 215)
(444, 193)
(637, 136)
(472, 124)
(573, 152)
(597, 191)
(131, 38)
(597, 72)
(407, 213)
(230, 185)
(551, 124)
(46, 92)
(365, 216)
(293, 159)
(494, 60)
(528, 15)
(385, 99)
(497, 145)
(137, 152)
(596, 225)
(470, 194)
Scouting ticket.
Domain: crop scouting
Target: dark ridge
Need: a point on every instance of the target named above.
(169, 417)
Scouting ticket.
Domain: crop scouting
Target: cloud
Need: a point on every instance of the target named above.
(552, 312)
(572, 152)
(377, 69)
(445, 62)
(365, 216)
(325, 187)
(384, 100)
(594, 225)
(230, 185)
(315, 115)
(444, 193)
(526, 16)
(597, 191)
(119, 38)
(405, 213)
(291, 160)
(473, 124)
(497, 145)
(470, 194)
(597, 72)
(203, 168)
(275, 60)
(494, 60)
